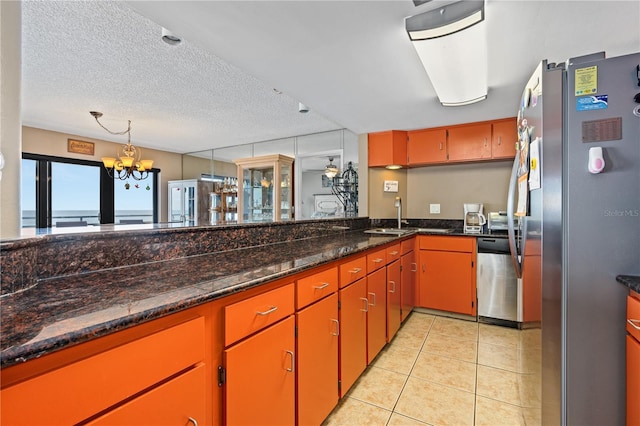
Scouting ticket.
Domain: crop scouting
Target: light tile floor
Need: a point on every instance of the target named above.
(444, 371)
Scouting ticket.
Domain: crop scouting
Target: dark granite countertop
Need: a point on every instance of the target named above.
(631, 281)
(63, 311)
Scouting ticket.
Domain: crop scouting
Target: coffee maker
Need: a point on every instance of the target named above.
(473, 218)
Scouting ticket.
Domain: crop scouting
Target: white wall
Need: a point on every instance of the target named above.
(10, 132)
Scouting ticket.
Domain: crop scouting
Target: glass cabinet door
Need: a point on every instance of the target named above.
(265, 188)
(286, 192)
(175, 202)
(258, 195)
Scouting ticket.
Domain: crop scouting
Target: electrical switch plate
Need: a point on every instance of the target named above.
(434, 208)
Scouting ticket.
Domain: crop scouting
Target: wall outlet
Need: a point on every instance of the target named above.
(434, 208)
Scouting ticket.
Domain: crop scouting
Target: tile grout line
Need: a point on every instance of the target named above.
(393, 410)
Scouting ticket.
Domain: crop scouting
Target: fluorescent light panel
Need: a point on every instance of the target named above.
(451, 43)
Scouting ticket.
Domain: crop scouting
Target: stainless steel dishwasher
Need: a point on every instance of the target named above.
(497, 285)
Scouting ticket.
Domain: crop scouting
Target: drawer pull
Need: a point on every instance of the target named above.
(192, 420)
(337, 333)
(393, 253)
(633, 323)
(268, 311)
(290, 369)
(415, 267)
(355, 270)
(320, 287)
(366, 304)
(374, 300)
(376, 260)
(393, 288)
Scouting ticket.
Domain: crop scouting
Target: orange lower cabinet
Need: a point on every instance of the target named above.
(377, 315)
(633, 381)
(176, 402)
(408, 272)
(78, 391)
(260, 377)
(317, 361)
(447, 281)
(353, 333)
(394, 299)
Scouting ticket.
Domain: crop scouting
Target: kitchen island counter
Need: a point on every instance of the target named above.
(631, 281)
(62, 311)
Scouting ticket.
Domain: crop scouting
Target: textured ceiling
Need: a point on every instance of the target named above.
(350, 61)
(82, 56)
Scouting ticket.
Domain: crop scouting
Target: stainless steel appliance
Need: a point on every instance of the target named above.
(586, 224)
(474, 219)
(497, 284)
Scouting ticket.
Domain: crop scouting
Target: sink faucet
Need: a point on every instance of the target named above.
(398, 205)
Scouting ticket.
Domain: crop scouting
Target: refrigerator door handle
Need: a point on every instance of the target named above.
(513, 182)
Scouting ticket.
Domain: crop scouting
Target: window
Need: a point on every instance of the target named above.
(134, 201)
(55, 190)
(75, 193)
(28, 193)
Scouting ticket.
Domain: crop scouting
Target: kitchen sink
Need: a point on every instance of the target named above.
(388, 231)
(435, 230)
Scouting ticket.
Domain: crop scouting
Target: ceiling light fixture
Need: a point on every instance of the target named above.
(128, 163)
(170, 38)
(451, 42)
(331, 170)
(302, 108)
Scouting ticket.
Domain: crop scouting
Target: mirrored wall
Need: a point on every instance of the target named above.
(313, 194)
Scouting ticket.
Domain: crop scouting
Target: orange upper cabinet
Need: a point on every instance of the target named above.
(388, 148)
(427, 146)
(470, 142)
(504, 138)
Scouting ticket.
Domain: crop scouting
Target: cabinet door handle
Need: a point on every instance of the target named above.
(366, 304)
(337, 333)
(415, 267)
(423, 268)
(393, 287)
(633, 323)
(192, 420)
(376, 260)
(499, 140)
(374, 300)
(321, 286)
(393, 253)
(355, 270)
(268, 311)
(290, 369)
(440, 146)
(485, 142)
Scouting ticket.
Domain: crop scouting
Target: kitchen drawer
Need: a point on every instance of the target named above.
(316, 286)
(633, 317)
(407, 245)
(393, 253)
(376, 260)
(352, 271)
(169, 404)
(78, 391)
(460, 244)
(244, 318)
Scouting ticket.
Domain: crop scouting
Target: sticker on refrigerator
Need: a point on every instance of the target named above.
(586, 81)
(534, 164)
(588, 103)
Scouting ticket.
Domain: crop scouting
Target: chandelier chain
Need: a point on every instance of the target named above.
(124, 132)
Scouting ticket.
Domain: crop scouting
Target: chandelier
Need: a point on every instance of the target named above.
(330, 169)
(127, 163)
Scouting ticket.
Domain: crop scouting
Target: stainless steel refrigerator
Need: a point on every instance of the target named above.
(575, 192)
